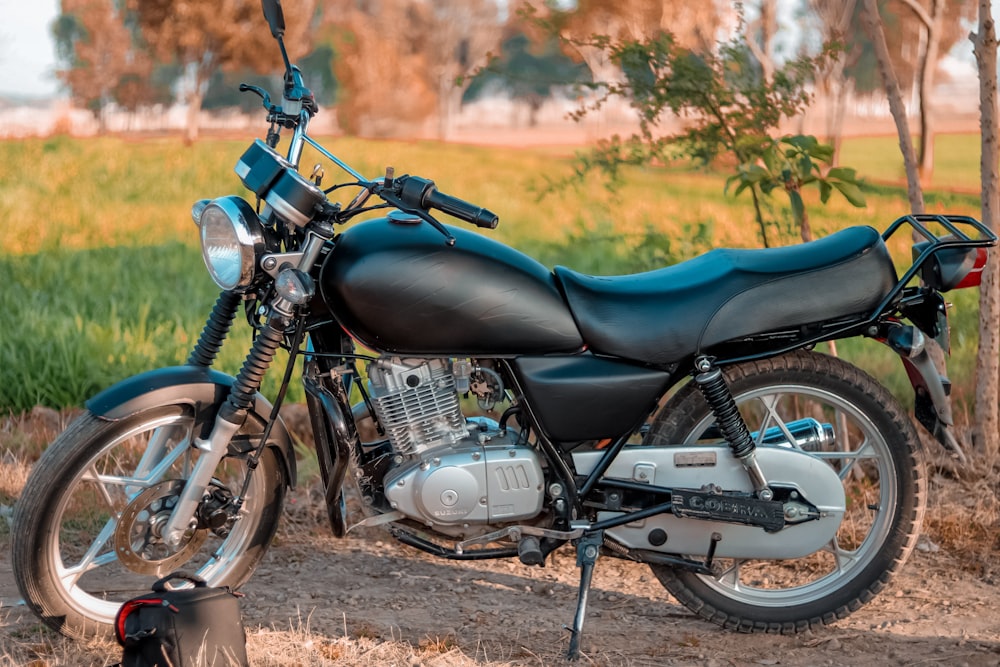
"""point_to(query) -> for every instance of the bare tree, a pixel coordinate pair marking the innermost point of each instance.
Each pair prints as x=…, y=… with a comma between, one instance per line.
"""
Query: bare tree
x=987, y=431
x=760, y=37
x=835, y=18
x=463, y=32
x=932, y=21
x=873, y=26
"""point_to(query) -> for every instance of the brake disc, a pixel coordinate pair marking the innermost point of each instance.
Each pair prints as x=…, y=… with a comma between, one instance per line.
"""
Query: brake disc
x=139, y=542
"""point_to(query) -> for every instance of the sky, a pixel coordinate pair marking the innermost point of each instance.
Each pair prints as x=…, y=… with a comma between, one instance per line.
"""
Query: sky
x=27, y=54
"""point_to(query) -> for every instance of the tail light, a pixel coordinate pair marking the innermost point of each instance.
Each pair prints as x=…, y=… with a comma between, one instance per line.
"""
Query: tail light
x=951, y=268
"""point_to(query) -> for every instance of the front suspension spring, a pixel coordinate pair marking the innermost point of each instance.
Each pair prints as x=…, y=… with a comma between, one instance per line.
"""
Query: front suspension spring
x=216, y=329
x=248, y=380
x=716, y=392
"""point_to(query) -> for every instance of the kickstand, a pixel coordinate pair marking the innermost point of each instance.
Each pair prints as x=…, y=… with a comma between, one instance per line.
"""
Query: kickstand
x=587, y=549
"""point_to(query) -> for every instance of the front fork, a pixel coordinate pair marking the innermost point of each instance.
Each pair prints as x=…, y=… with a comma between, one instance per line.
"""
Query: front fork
x=230, y=419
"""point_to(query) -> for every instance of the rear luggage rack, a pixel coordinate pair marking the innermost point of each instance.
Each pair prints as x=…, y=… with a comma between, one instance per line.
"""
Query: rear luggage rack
x=956, y=239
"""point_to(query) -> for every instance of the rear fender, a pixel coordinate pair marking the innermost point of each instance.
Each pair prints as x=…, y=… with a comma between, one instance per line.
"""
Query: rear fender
x=931, y=405
x=202, y=388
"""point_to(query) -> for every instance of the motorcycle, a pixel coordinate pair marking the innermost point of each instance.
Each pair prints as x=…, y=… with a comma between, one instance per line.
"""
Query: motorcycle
x=679, y=418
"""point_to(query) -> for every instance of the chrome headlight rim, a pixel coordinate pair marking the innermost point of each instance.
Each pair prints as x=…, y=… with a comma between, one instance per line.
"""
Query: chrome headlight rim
x=232, y=241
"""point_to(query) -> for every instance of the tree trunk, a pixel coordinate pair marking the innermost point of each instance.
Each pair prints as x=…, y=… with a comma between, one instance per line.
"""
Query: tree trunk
x=844, y=91
x=767, y=24
x=203, y=71
x=986, y=434
x=873, y=26
x=191, y=122
x=928, y=64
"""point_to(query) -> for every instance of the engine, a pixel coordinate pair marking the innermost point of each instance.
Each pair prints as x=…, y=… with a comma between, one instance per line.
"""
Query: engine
x=454, y=470
x=416, y=403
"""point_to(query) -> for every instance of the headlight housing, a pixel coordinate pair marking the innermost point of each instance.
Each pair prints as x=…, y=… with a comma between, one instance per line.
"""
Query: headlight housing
x=232, y=238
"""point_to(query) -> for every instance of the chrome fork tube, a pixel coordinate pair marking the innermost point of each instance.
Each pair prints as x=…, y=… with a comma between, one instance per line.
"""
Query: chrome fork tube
x=298, y=139
x=213, y=449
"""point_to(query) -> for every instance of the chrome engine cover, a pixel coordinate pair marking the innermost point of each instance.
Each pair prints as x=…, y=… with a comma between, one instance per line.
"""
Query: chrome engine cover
x=469, y=484
x=698, y=466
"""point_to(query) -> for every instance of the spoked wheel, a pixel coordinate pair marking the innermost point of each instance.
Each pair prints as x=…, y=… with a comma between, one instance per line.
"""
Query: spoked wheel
x=868, y=440
x=88, y=528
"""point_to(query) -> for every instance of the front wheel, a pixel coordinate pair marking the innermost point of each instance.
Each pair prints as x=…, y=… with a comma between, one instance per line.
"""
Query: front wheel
x=874, y=450
x=87, y=527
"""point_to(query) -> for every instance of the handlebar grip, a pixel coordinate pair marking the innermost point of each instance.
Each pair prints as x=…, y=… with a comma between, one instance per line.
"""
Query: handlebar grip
x=421, y=192
x=461, y=209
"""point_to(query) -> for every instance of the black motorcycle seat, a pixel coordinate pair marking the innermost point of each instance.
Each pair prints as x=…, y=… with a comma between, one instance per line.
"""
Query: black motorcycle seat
x=662, y=316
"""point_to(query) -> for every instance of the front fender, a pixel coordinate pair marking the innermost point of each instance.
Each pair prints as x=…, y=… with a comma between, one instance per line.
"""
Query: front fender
x=193, y=385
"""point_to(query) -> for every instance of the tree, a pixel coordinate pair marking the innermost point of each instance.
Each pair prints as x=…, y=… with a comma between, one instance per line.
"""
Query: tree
x=932, y=22
x=916, y=34
x=835, y=18
x=383, y=74
x=792, y=162
x=103, y=62
x=760, y=36
x=987, y=431
x=728, y=108
x=873, y=26
x=529, y=72
x=204, y=36
x=463, y=32
x=395, y=80
x=693, y=25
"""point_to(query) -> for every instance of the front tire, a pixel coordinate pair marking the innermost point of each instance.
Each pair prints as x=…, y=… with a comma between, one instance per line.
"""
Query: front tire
x=877, y=455
x=73, y=564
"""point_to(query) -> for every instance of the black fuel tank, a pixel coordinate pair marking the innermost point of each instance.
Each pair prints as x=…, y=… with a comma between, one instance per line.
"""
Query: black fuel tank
x=398, y=288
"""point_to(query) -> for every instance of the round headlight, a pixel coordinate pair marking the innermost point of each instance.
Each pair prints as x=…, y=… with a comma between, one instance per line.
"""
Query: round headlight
x=231, y=238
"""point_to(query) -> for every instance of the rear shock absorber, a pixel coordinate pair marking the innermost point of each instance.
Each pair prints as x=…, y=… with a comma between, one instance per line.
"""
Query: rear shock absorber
x=709, y=380
x=216, y=329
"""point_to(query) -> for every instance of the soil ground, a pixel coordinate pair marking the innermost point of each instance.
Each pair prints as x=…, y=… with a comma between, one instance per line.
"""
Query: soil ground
x=368, y=589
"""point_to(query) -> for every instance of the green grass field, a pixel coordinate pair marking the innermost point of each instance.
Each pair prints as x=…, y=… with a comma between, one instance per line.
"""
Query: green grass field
x=102, y=277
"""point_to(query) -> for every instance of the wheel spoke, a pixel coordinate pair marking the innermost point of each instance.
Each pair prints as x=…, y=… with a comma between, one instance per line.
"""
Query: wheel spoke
x=731, y=576
x=91, y=475
x=90, y=559
x=843, y=558
x=855, y=456
x=159, y=471
x=770, y=403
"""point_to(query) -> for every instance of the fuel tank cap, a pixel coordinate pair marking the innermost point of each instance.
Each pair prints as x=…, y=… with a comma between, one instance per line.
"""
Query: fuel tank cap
x=403, y=218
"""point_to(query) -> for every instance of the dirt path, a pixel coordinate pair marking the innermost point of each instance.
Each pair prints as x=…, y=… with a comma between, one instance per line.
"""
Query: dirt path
x=506, y=613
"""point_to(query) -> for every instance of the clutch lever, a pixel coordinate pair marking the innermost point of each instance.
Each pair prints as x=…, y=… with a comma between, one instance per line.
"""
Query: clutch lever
x=391, y=198
x=246, y=87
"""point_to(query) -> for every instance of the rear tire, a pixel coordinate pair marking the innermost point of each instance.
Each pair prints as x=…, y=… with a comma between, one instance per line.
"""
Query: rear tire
x=878, y=456
x=71, y=566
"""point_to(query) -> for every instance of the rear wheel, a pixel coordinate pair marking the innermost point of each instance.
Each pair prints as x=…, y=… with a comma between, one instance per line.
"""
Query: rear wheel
x=87, y=528
x=876, y=453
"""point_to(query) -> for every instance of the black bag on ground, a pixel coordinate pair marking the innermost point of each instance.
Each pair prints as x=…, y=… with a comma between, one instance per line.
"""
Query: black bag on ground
x=182, y=627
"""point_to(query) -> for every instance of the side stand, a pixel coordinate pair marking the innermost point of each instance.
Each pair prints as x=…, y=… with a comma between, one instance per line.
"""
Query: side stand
x=587, y=550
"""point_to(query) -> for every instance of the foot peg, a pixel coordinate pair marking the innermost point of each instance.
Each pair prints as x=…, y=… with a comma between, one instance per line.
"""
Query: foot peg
x=529, y=551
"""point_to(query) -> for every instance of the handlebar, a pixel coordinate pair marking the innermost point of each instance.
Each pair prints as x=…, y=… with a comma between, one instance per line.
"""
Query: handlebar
x=421, y=192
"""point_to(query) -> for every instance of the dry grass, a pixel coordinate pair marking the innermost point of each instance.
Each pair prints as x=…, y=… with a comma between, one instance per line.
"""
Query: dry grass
x=295, y=646
x=963, y=515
